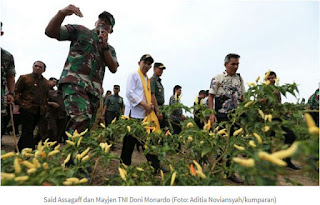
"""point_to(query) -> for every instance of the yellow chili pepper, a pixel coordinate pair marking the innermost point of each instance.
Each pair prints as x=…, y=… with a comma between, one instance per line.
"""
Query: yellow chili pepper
x=199, y=168
x=57, y=147
x=266, y=128
x=239, y=147
x=167, y=133
x=267, y=82
x=251, y=84
x=244, y=162
x=107, y=149
x=26, y=150
x=122, y=174
x=74, y=180
x=83, y=180
x=267, y=75
x=258, y=78
x=286, y=153
x=272, y=159
x=114, y=120
x=189, y=125
x=313, y=130
x=102, y=125
x=102, y=145
x=190, y=139
x=28, y=155
x=129, y=129
x=68, y=134
x=86, y=158
x=249, y=103
x=84, y=132
x=28, y=164
x=207, y=126
x=79, y=141
x=261, y=113
x=257, y=137
x=7, y=155
x=70, y=142
x=173, y=178
x=21, y=178
x=67, y=159
x=162, y=175
x=8, y=176
x=223, y=131
x=16, y=165
x=36, y=163
x=31, y=171
x=125, y=117
x=252, y=143
x=171, y=168
x=53, y=152
x=67, y=183
x=51, y=144
x=45, y=165
x=237, y=132
x=84, y=152
x=140, y=169
x=201, y=174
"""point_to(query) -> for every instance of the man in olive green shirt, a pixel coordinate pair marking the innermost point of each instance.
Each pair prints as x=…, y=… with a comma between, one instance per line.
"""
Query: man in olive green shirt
x=113, y=106
x=157, y=91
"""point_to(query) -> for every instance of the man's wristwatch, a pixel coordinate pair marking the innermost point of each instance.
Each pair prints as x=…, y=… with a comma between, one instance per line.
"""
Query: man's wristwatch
x=11, y=94
x=105, y=48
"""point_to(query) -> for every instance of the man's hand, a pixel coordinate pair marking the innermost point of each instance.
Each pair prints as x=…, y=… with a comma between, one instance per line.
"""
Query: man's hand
x=104, y=36
x=213, y=119
x=71, y=9
x=160, y=116
x=183, y=117
x=10, y=99
x=53, y=104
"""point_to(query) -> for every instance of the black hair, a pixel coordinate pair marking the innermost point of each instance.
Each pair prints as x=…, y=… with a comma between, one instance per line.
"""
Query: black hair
x=229, y=56
x=202, y=92
x=177, y=87
x=272, y=73
x=44, y=65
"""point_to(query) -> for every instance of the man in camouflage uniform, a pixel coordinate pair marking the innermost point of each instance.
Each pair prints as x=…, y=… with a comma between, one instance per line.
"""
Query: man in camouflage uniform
x=157, y=92
x=113, y=106
x=31, y=95
x=313, y=105
x=7, y=82
x=83, y=73
x=225, y=95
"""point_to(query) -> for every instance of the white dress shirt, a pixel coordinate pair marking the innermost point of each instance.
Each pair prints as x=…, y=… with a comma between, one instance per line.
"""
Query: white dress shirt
x=135, y=94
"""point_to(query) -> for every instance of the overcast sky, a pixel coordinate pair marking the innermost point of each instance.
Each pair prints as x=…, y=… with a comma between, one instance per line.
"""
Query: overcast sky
x=190, y=37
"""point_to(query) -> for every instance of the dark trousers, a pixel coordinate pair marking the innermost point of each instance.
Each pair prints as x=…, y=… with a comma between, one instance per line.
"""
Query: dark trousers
x=110, y=116
x=29, y=122
x=56, y=128
x=129, y=143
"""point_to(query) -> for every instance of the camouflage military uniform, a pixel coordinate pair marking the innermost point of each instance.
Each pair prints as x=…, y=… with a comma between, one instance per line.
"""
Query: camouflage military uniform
x=158, y=90
x=7, y=69
x=82, y=76
x=313, y=104
x=114, y=105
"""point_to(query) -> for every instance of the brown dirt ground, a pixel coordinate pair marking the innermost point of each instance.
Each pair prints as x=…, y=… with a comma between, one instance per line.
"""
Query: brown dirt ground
x=101, y=173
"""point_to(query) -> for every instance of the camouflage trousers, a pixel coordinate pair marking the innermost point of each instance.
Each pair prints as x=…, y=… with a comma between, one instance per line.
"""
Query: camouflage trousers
x=81, y=107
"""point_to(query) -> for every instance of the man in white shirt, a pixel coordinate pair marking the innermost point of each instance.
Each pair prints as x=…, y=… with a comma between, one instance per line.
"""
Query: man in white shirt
x=137, y=108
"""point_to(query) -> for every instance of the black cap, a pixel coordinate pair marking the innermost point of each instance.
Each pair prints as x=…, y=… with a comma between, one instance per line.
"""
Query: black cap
x=1, y=28
x=116, y=87
x=147, y=57
x=159, y=65
x=107, y=15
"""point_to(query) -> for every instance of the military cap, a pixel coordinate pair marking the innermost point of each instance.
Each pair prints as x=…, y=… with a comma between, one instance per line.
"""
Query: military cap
x=159, y=65
x=116, y=87
x=107, y=15
x=147, y=56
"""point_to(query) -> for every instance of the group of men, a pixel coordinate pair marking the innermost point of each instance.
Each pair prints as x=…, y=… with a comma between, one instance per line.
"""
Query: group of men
x=80, y=86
